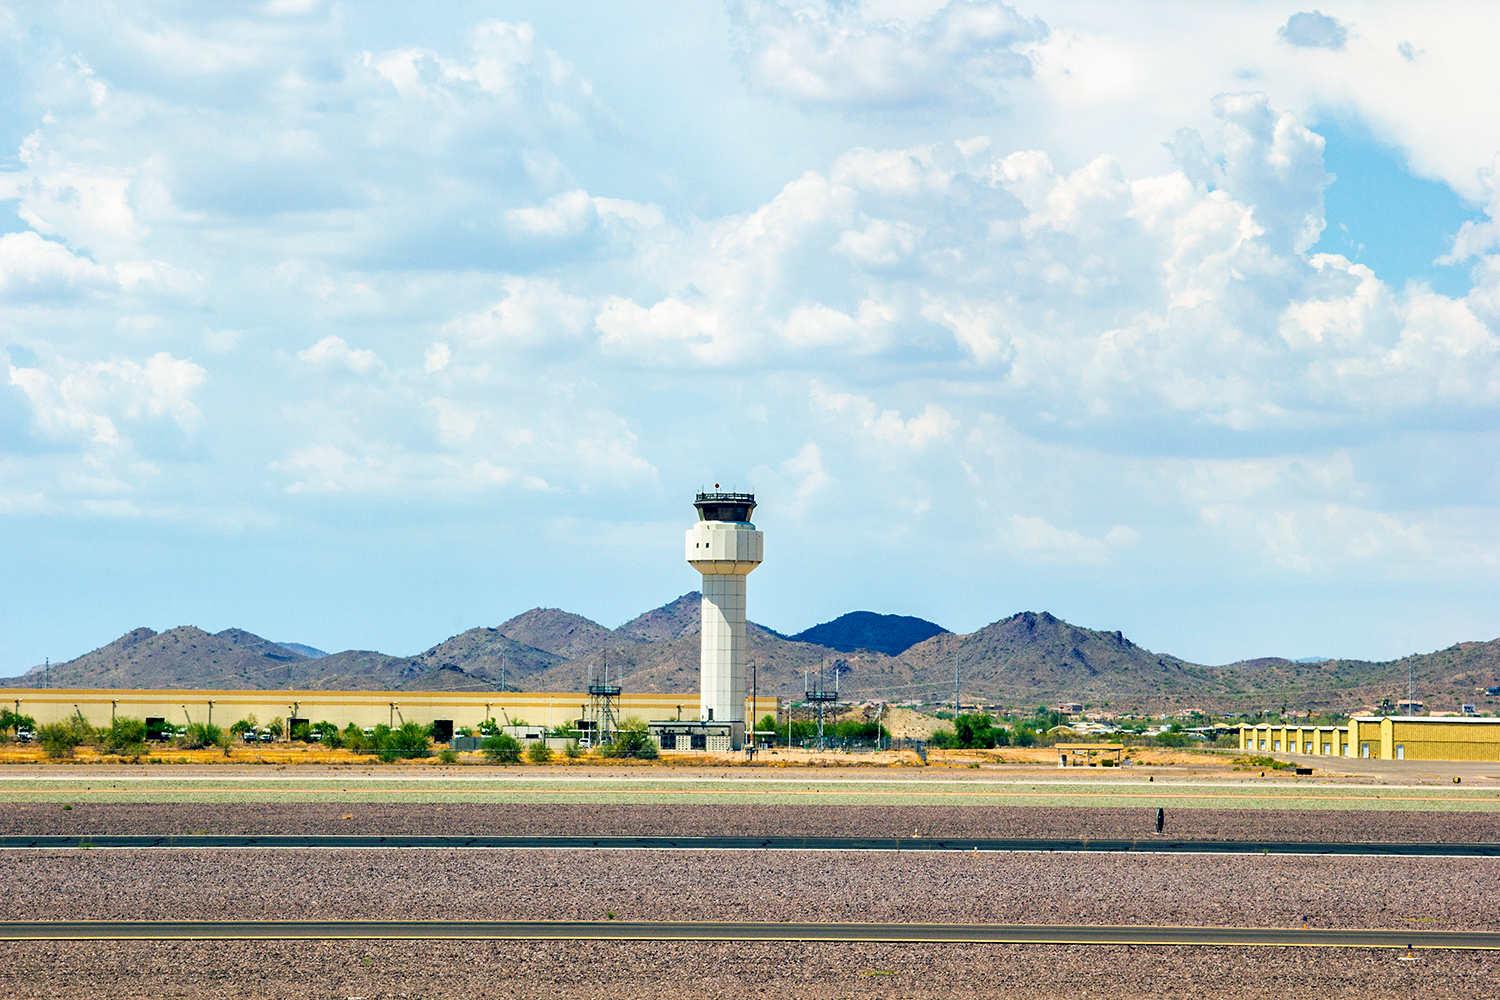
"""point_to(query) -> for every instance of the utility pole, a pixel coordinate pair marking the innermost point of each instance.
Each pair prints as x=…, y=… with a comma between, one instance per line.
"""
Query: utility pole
x=955, y=688
x=1411, y=709
x=754, y=699
x=48, y=668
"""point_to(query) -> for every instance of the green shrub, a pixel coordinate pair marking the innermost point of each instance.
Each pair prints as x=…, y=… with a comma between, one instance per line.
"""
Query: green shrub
x=633, y=743
x=200, y=735
x=406, y=742
x=1269, y=763
x=327, y=733
x=125, y=734
x=502, y=748
x=539, y=752
x=942, y=739
x=448, y=756
x=572, y=751
x=59, y=738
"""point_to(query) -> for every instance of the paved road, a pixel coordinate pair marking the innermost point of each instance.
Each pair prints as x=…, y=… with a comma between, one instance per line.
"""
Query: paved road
x=1153, y=845
x=183, y=930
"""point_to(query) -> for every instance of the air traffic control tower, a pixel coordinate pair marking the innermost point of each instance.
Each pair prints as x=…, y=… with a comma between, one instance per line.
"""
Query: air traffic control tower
x=724, y=546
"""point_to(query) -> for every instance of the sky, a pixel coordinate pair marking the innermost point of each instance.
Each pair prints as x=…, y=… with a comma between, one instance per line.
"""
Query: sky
x=363, y=324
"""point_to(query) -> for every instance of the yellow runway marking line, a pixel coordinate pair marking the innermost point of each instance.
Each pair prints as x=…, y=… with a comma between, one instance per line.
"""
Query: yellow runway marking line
x=1154, y=795
x=910, y=933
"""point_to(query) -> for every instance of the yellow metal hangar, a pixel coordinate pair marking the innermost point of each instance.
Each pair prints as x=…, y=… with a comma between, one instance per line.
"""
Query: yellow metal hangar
x=1387, y=737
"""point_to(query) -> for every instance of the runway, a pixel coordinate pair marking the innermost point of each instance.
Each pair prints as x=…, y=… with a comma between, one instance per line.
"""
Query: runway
x=1149, y=845
x=1079, y=934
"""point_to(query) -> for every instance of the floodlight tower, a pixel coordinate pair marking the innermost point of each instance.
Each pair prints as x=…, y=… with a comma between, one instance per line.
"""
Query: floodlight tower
x=724, y=546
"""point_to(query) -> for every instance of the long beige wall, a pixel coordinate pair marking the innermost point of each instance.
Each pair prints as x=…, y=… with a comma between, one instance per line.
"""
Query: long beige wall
x=363, y=708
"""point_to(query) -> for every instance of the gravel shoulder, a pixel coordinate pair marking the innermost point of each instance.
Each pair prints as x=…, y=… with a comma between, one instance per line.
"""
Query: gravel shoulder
x=589, y=970
x=473, y=819
x=428, y=884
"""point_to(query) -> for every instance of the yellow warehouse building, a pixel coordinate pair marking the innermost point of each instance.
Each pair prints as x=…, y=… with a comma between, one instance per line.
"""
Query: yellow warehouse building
x=1395, y=737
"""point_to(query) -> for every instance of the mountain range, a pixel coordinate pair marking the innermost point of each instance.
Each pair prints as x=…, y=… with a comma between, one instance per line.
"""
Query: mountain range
x=1022, y=661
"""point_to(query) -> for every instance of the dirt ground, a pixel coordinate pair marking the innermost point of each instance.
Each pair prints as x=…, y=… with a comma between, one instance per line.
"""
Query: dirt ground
x=763, y=886
x=597, y=970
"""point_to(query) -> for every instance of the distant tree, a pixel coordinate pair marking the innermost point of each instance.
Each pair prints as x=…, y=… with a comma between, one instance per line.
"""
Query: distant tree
x=539, y=752
x=862, y=731
x=276, y=728
x=11, y=722
x=942, y=739
x=242, y=727
x=975, y=731
x=327, y=733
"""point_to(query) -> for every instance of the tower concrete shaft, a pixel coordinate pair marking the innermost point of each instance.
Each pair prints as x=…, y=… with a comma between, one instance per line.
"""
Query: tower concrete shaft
x=725, y=547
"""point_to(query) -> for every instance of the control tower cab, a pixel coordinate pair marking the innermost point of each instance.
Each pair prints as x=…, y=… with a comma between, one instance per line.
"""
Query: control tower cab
x=724, y=546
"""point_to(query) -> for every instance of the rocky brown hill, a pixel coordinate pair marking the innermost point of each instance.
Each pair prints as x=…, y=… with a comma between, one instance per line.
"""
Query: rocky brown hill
x=1023, y=661
x=670, y=621
x=561, y=633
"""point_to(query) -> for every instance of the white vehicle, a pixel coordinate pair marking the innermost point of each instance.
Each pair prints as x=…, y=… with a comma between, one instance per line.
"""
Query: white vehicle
x=583, y=743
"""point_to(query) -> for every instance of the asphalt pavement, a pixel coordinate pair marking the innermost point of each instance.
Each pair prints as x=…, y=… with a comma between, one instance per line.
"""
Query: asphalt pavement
x=593, y=930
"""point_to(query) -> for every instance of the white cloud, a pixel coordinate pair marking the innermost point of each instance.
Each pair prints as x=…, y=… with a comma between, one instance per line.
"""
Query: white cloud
x=436, y=358
x=566, y=214
x=886, y=427
x=880, y=243
x=1036, y=538
x=334, y=351
x=1314, y=30
x=91, y=402
x=533, y=312
x=32, y=266
x=837, y=54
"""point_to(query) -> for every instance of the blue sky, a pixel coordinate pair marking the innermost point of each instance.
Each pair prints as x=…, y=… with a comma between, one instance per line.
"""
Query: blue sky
x=358, y=325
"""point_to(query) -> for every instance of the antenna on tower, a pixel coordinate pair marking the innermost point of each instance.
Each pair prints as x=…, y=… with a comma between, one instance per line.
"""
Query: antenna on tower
x=603, y=699
x=820, y=696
